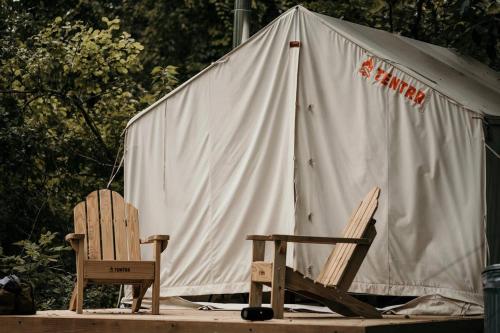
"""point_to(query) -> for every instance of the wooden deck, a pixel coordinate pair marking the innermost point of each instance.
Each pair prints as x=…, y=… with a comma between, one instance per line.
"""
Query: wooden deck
x=194, y=321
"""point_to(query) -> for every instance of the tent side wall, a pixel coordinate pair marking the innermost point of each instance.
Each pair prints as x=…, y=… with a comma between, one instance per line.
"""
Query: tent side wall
x=492, y=139
x=360, y=122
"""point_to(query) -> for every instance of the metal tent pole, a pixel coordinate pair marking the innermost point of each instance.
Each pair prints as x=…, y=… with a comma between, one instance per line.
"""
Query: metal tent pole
x=241, y=26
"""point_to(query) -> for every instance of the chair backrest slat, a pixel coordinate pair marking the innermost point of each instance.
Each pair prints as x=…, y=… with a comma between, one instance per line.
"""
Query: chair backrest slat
x=327, y=268
x=338, y=262
x=93, y=228
x=354, y=229
x=111, y=227
x=108, y=249
x=121, y=247
x=133, y=232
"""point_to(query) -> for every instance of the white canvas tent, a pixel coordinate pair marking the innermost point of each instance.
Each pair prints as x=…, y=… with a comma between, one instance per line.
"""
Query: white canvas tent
x=275, y=138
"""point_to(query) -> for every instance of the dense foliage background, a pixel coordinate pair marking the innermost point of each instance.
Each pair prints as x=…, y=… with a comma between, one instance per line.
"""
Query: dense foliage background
x=72, y=72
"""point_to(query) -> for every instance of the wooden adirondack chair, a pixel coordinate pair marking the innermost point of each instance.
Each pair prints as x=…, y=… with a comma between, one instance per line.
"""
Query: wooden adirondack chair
x=330, y=288
x=107, y=246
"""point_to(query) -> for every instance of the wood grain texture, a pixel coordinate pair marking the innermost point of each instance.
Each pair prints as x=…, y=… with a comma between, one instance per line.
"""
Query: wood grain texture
x=337, y=263
x=80, y=282
x=357, y=259
x=308, y=239
x=119, y=270
x=195, y=321
x=341, y=267
x=337, y=300
x=278, y=279
x=258, y=253
x=138, y=294
x=93, y=228
x=120, y=227
x=321, y=277
x=74, y=294
x=358, y=231
x=106, y=216
x=262, y=271
x=80, y=221
x=134, y=250
x=72, y=300
x=112, y=231
x=152, y=238
x=155, y=306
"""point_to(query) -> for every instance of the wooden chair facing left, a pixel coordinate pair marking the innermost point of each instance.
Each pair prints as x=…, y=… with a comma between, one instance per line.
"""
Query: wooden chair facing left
x=331, y=287
x=107, y=246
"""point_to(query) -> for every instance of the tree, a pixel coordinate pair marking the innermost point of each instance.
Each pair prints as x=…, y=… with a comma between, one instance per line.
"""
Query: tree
x=66, y=94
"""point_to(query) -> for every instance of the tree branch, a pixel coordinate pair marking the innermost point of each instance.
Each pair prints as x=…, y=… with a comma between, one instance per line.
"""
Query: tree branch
x=94, y=160
x=75, y=102
x=93, y=128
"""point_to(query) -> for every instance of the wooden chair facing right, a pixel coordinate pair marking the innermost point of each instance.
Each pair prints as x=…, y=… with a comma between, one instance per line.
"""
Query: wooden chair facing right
x=332, y=284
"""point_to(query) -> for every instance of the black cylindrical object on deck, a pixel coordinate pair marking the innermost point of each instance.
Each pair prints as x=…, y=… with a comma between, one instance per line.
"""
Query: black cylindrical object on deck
x=491, y=287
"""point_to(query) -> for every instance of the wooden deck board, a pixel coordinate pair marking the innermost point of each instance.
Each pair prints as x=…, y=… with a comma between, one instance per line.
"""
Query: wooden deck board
x=194, y=321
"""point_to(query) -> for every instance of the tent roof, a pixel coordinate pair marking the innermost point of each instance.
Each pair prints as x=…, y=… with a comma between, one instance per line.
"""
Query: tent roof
x=460, y=78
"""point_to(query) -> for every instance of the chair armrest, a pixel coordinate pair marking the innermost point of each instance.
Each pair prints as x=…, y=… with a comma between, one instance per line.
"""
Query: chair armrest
x=162, y=239
x=75, y=240
x=259, y=237
x=73, y=236
x=308, y=239
x=154, y=238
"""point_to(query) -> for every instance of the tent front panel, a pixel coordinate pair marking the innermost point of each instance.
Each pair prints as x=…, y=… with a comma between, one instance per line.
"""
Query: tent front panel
x=214, y=162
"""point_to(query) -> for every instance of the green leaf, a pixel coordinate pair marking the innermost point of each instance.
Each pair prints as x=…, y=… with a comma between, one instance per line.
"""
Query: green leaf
x=377, y=6
x=138, y=46
x=494, y=8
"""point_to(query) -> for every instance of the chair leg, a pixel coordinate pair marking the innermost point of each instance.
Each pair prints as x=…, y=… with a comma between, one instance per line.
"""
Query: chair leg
x=155, y=306
x=74, y=296
x=278, y=279
x=80, y=283
x=79, y=298
x=138, y=295
x=72, y=301
x=255, y=296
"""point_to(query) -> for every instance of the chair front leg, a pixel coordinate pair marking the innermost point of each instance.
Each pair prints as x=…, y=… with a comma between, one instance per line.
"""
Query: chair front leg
x=278, y=279
x=258, y=252
x=80, y=283
x=159, y=246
